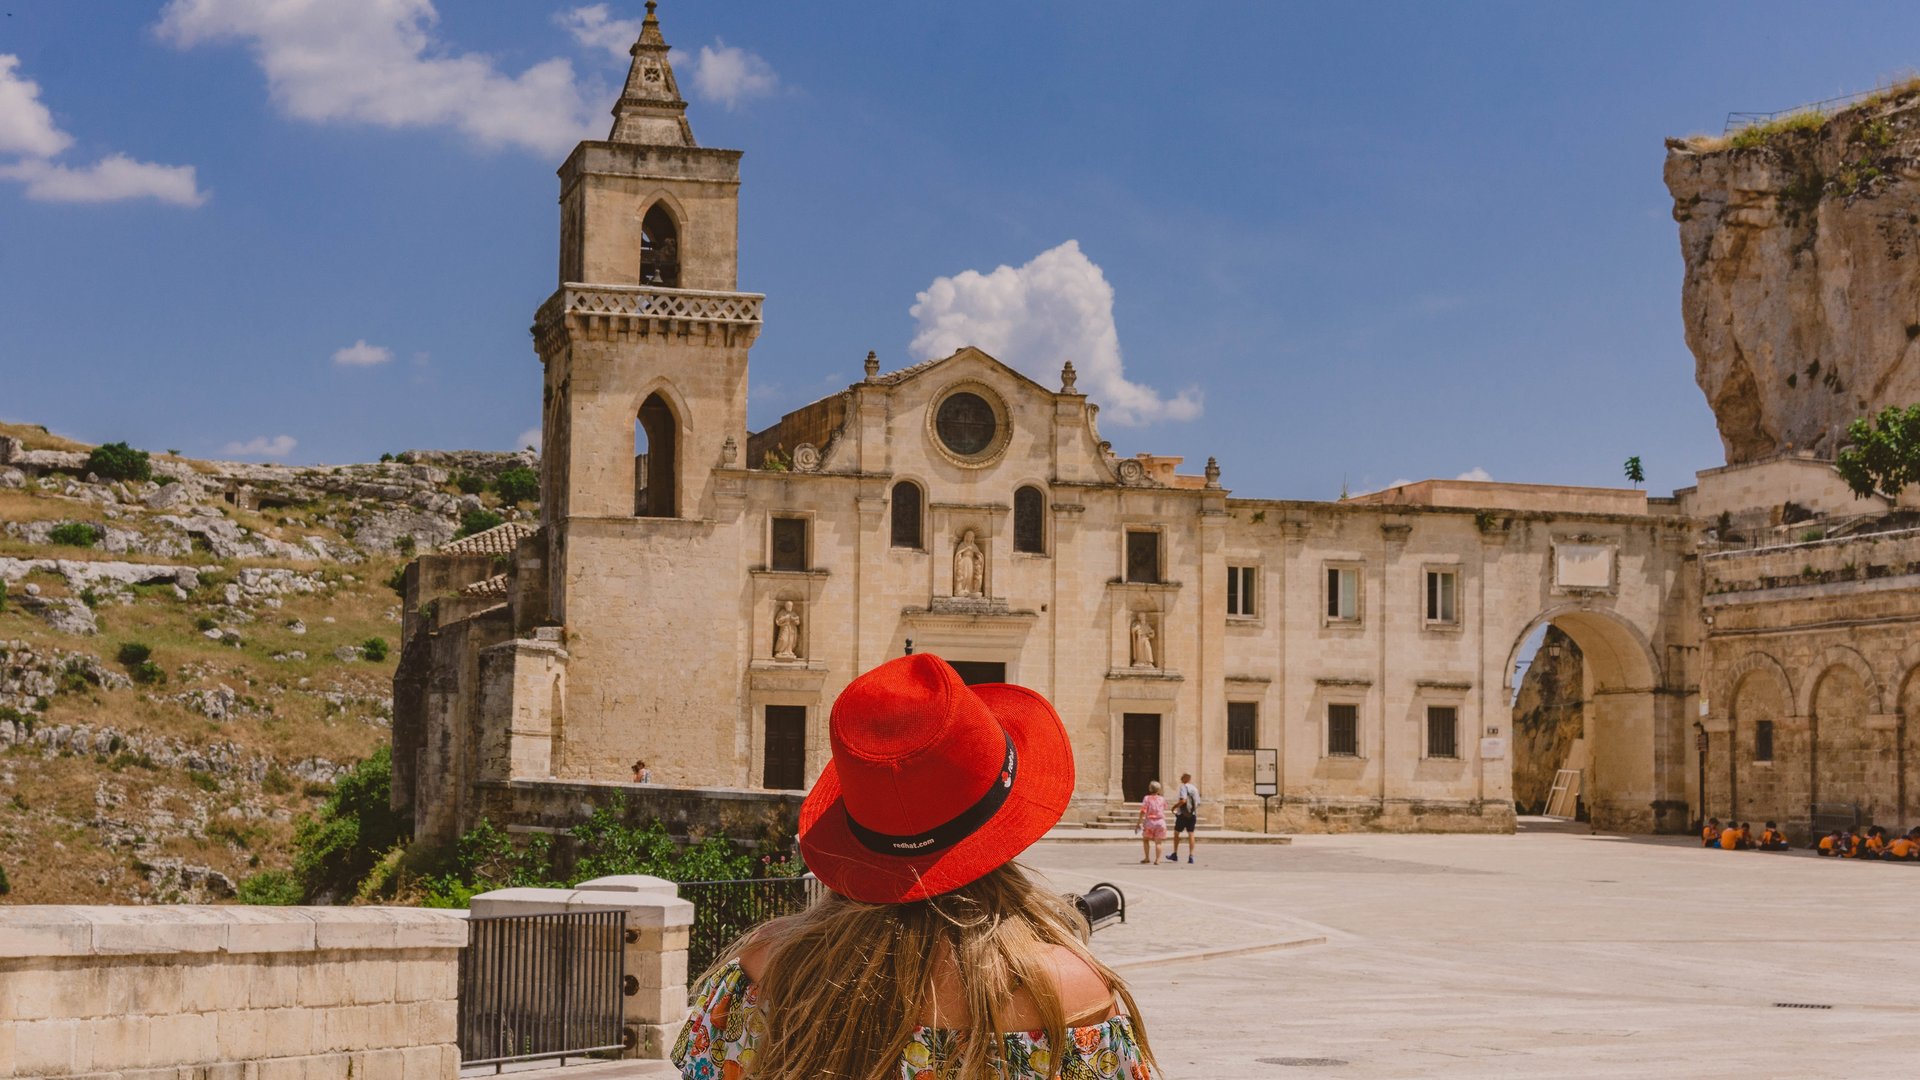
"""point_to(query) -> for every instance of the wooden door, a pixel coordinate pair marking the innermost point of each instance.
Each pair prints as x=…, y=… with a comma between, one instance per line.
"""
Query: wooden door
x=785, y=764
x=1139, y=754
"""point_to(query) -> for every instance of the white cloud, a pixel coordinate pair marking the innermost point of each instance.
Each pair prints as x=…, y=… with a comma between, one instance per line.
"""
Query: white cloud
x=529, y=437
x=111, y=179
x=361, y=354
x=1477, y=474
x=26, y=126
x=593, y=27
x=378, y=62
x=262, y=446
x=1058, y=307
x=27, y=129
x=730, y=75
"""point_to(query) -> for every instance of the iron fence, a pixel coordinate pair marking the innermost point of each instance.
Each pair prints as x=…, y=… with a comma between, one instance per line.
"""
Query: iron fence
x=542, y=986
x=723, y=910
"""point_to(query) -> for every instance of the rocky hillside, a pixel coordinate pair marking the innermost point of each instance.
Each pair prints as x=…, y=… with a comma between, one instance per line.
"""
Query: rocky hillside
x=1548, y=715
x=1801, y=239
x=187, y=662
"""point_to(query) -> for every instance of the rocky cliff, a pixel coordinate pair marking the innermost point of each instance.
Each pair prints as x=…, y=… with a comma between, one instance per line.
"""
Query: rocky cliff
x=188, y=663
x=1548, y=715
x=1801, y=239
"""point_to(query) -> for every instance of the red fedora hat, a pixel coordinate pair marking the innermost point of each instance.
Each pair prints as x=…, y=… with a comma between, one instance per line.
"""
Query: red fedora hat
x=933, y=783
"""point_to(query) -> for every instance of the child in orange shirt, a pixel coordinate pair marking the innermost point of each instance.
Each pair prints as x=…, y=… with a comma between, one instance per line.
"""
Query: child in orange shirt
x=1905, y=848
x=1772, y=839
x=1876, y=843
x=1832, y=844
x=1851, y=846
x=1710, y=836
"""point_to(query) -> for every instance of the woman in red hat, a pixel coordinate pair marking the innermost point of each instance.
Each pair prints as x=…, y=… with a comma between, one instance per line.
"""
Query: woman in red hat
x=933, y=954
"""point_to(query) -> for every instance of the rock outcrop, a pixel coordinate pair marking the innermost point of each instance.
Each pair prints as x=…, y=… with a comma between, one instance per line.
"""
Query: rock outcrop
x=1802, y=289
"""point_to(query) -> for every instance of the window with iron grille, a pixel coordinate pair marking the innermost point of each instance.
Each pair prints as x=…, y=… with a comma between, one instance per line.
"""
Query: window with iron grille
x=789, y=543
x=1029, y=521
x=1240, y=592
x=1243, y=720
x=1343, y=730
x=1763, y=740
x=1443, y=731
x=1443, y=597
x=1343, y=593
x=906, y=515
x=1143, y=555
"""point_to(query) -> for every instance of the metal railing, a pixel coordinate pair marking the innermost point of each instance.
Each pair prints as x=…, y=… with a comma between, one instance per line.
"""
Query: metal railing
x=723, y=910
x=1825, y=107
x=542, y=986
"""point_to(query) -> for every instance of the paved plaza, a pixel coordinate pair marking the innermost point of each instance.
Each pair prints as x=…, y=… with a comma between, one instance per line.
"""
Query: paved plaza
x=1546, y=954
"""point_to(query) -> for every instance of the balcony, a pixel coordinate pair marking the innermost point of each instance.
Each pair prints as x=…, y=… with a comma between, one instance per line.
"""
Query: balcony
x=612, y=312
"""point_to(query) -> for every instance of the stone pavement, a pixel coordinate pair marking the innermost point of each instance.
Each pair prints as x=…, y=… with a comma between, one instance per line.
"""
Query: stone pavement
x=1546, y=954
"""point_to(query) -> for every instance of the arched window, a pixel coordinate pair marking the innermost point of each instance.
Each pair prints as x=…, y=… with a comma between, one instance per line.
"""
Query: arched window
x=1029, y=521
x=655, y=442
x=659, y=248
x=906, y=515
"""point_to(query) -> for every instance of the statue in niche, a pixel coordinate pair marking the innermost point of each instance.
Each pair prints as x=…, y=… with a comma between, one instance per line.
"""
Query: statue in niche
x=786, y=632
x=1142, y=635
x=969, y=567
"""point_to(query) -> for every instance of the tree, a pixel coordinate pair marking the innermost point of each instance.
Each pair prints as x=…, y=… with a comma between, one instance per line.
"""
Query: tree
x=118, y=461
x=517, y=485
x=1634, y=472
x=1882, y=456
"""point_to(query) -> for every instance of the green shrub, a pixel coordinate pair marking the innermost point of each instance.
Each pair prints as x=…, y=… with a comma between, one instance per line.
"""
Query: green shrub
x=134, y=653
x=270, y=887
x=203, y=781
x=398, y=581
x=148, y=673
x=75, y=534
x=469, y=484
x=374, y=649
x=386, y=457
x=118, y=461
x=517, y=485
x=5, y=886
x=276, y=782
x=405, y=546
x=336, y=848
x=477, y=521
x=204, y=623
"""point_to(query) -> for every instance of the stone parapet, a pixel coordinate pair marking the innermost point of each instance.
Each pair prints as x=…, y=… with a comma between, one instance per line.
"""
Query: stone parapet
x=119, y=993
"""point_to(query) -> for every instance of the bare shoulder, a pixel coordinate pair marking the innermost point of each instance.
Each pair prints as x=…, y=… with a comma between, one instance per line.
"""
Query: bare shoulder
x=1085, y=997
x=753, y=956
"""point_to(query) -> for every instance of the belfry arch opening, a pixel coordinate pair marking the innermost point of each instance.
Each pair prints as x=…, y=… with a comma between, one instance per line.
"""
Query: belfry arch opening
x=659, y=248
x=1589, y=716
x=656, y=443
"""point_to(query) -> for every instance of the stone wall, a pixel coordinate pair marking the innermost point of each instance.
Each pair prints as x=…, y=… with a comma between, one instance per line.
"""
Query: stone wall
x=229, y=993
x=746, y=817
x=1820, y=643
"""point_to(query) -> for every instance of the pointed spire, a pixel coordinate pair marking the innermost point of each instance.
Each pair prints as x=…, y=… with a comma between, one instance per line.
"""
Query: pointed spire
x=650, y=111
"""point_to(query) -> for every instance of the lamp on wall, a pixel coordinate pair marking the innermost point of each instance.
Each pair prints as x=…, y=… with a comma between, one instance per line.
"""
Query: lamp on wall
x=909, y=651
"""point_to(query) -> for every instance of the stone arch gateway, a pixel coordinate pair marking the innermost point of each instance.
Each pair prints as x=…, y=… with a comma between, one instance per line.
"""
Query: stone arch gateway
x=1636, y=780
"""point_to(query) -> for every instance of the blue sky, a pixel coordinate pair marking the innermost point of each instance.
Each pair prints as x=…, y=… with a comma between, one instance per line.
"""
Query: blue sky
x=1344, y=243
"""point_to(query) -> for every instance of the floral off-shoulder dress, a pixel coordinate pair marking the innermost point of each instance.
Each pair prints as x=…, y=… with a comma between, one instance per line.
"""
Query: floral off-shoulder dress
x=725, y=1031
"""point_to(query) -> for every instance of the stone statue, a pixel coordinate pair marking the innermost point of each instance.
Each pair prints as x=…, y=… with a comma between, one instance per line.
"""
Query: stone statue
x=786, y=632
x=969, y=568
x=1142, y=634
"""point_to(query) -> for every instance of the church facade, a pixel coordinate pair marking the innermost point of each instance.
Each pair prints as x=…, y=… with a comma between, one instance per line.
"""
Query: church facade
x=696, y=594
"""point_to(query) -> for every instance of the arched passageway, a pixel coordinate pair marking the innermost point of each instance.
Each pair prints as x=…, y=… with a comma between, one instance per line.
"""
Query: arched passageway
x=1631, y=751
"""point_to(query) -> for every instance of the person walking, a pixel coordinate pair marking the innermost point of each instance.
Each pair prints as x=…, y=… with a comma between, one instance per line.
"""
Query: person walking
x=931, y=951
x=1152, y=825
x=1186, y=811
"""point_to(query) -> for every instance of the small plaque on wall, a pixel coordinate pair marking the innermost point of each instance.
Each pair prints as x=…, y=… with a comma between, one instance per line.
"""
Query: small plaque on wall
x=1493, y=749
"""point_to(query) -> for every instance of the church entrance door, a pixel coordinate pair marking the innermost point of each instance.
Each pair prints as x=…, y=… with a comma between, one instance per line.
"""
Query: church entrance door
x=1139, y=754
x=786, y=748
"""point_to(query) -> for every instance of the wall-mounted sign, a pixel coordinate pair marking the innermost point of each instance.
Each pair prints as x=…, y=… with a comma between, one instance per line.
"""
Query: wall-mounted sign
x=1493, y=749
x=1266, y=772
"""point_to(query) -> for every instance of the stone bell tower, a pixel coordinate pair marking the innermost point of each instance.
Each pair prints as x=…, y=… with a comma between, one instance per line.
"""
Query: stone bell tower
x=645, y=398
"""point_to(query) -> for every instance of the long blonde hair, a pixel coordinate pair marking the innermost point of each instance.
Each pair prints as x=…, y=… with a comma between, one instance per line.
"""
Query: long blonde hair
x=845, y=983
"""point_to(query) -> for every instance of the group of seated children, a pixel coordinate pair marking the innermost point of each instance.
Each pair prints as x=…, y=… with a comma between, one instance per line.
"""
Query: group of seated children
x=1739, y=837
x=1850, y=844
x=1840, y=843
